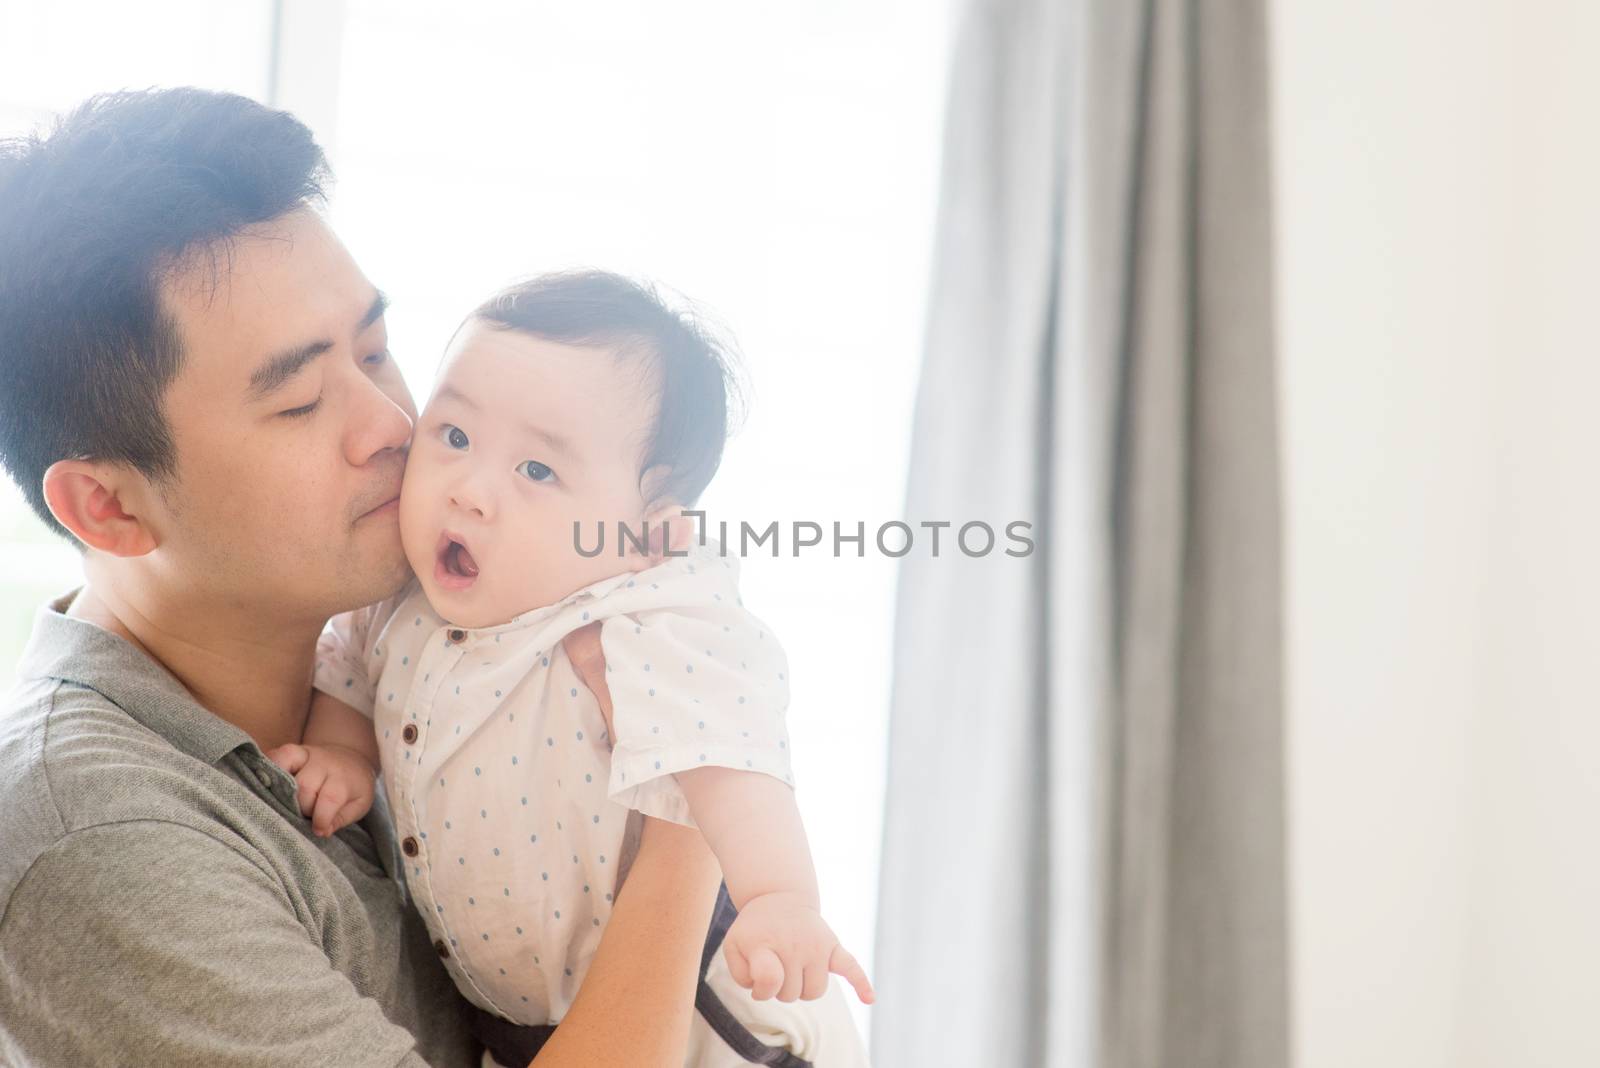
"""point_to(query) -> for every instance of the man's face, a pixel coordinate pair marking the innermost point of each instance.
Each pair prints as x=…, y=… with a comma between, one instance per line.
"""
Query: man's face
x=290, y=423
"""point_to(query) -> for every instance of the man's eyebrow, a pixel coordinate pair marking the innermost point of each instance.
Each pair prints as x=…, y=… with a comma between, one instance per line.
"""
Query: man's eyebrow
x=380, y=304
x=271, y=375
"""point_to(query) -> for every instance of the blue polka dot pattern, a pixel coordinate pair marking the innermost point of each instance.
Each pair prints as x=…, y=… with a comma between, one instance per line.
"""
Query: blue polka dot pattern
x=723, y=709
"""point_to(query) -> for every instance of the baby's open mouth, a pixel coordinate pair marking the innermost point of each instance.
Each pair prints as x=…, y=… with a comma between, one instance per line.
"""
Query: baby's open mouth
x=454, y=567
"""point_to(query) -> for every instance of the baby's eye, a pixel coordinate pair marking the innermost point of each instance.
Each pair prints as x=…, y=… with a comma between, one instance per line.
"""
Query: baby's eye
x=453, y=436
x=535, y=471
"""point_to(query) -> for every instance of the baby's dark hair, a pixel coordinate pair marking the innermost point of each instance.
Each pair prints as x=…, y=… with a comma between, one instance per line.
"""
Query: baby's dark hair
x=695, y=368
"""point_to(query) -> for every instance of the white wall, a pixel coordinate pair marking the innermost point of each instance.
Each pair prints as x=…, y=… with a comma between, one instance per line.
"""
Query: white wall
x=1535, y=942
x=1437, y=168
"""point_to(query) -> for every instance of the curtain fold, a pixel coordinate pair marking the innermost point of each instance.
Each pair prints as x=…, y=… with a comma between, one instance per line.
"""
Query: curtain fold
x=1084, y=839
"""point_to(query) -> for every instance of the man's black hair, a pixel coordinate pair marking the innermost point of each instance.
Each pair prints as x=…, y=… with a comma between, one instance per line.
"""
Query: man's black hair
x=694, y=368
x=92, y=216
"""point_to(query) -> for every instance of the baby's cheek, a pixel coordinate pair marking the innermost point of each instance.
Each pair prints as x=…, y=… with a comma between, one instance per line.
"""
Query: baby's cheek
x=415, y=526
x=522, y=585
x=546, y=563
x=545, y=558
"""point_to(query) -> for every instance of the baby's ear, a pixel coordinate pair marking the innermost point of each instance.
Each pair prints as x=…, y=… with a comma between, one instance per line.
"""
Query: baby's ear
x=670, y=534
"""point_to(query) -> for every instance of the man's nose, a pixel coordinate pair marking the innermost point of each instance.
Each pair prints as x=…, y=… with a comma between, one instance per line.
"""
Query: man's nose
x=377, y=425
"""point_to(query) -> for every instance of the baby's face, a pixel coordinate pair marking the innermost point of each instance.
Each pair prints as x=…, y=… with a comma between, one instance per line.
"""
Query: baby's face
x=521, y=439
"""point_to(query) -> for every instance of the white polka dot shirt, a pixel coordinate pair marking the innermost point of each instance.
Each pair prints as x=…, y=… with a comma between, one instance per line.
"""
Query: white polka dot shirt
x=510, y=799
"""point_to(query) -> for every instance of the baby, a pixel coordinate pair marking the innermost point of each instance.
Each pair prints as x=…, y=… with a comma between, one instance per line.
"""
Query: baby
x=568, y=408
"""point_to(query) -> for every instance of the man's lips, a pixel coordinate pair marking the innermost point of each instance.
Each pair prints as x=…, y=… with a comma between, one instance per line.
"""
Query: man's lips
x=388, y=507
x=453, y=566
x=384, y=503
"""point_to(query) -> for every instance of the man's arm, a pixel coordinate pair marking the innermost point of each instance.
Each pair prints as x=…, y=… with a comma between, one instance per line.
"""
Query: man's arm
x=637, y=1001
x=150, y=942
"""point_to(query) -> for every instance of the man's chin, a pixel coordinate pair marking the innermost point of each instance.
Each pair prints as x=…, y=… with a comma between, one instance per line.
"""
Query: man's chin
x=380, y=575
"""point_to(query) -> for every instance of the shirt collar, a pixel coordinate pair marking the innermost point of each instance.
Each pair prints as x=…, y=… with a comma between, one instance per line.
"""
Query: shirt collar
x=83, y=654
x=708, y=552
x=588, y=593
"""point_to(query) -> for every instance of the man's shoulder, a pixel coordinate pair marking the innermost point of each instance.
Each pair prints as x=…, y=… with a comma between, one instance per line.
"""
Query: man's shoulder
x=73, y=760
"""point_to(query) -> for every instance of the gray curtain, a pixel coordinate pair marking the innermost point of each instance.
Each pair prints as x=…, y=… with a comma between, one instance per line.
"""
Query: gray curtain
x=1084, y=848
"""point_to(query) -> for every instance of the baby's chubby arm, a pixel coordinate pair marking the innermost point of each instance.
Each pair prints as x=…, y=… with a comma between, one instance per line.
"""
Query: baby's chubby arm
x=779, y=945
x=335, y=765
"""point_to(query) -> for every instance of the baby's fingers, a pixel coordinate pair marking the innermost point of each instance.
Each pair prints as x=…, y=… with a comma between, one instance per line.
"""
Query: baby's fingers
x=349, y=812
x=738, y=964
x=290, y=758
x=330, y=801
x=766, y=973
x=794, y=978
x=816, y=981
x=311, y=780
x=842, y=963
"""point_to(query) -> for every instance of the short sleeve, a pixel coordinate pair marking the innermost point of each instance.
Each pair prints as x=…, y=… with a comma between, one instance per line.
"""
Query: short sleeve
x=692, y=687
x=114, y=951
x=342, y=659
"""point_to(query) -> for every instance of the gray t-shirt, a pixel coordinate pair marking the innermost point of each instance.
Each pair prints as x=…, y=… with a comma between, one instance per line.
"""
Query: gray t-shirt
x=162, y=901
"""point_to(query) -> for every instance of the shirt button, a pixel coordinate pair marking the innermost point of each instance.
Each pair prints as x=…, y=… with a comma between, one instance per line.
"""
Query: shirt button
x=408, y=846
x=410, y=733
x=444, y=950
x=458, y=635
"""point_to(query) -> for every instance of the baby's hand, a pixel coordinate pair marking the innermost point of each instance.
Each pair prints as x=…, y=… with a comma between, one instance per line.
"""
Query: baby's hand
x=779, y=945
x=336, y=784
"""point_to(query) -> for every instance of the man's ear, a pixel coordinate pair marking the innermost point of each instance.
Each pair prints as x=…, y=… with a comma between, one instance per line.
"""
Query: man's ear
x=95, y=502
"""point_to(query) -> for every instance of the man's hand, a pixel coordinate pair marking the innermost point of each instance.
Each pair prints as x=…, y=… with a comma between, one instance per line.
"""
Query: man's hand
x=780, y=946
x=336, y=783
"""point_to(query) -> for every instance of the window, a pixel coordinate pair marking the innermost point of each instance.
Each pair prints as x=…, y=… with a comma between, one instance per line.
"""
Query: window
x=47, y=65
x=777, y=164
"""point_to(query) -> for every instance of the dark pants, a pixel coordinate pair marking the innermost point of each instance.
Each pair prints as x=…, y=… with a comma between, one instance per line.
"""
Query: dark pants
x=514, y=1045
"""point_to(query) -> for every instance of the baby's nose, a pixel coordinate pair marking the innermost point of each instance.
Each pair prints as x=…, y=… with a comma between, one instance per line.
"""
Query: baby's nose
x=468, y=499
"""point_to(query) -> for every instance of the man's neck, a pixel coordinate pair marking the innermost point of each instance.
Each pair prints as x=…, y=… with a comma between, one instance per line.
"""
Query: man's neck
x=251, y=673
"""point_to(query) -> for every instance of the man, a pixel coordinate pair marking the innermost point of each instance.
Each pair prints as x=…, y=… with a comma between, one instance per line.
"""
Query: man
x=195, y=386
